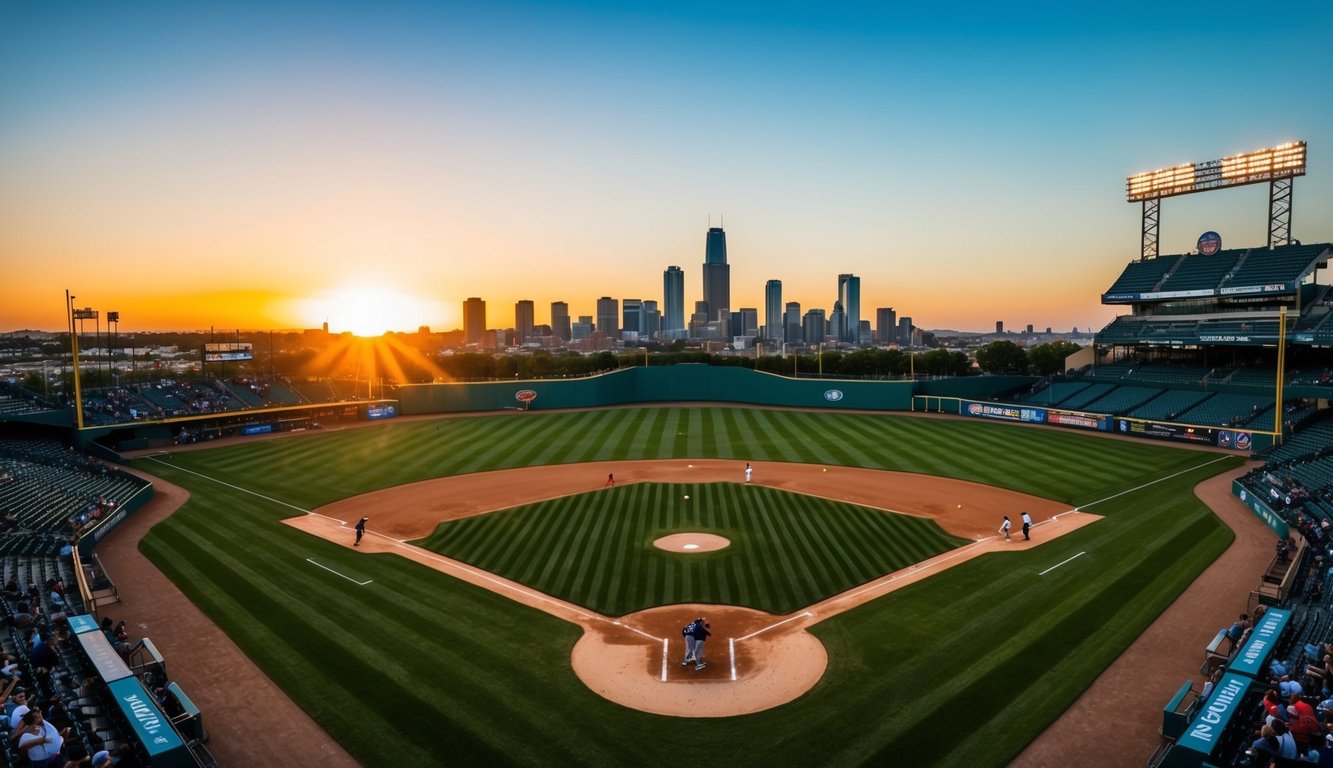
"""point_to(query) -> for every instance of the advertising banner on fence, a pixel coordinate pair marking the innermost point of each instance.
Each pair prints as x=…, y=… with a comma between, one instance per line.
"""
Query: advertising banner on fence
x=1033, y=415
x=1160, y=431
x=1205, y=733
x=1260, y=509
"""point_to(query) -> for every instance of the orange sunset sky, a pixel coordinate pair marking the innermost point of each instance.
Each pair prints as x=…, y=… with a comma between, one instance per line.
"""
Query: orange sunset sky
x=271, y=166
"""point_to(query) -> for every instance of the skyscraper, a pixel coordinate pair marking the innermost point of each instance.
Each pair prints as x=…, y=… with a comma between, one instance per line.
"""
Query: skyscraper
x=814, y=328
x=673, y=305
x=474, y=320
x=560, y=320
x=632, y=314
x=652, y=320
x=749, y=321
x=608, y=321
x=885, y=321
x=837, y=322
x=905, y=331
x=523, y=322
x=717, y=273
x=792, y=329
x=773, y=310
x=849, y=293
x=583, y=328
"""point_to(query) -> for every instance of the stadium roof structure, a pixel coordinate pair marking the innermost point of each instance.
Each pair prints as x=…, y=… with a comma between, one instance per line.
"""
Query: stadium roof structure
x=1259, y=271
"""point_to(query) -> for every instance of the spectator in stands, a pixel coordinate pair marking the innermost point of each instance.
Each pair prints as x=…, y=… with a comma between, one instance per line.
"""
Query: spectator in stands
x=44, y=658
x=1323, y=672
x=1270, y=746
x=16, y=714
x=41, y=741
x=1286, y=686
x=1273, y=706
x=77, y=757
x=1304, y=725
x=102, y=760
x=1237, y=630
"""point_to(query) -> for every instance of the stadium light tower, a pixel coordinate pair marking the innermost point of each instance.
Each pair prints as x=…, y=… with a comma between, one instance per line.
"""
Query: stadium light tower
x=1278, y=166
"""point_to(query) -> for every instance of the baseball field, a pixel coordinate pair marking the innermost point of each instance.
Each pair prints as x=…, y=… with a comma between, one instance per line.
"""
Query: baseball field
x=404, y=665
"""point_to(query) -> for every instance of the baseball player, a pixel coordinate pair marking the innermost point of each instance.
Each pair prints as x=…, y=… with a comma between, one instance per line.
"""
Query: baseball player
x=1027, y=525
x=688, y=633
x=360, y=530
x=1004, y=527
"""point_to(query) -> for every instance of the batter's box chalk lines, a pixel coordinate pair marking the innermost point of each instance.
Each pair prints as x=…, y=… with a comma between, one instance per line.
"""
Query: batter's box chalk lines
x=335, y=573
x=1062, y=562
x=802, y=615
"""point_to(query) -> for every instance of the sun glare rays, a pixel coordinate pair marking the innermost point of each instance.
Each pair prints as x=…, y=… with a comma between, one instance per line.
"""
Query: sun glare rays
x=367, y=309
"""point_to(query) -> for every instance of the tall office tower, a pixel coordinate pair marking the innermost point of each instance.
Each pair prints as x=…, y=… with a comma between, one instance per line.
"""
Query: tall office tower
x=560, y=320
x=523, y=322
x=717, y=273
x=474, y=320
x=792, y=325
x=814, y=328
x=885, y=320
x=773, y=310
x=905, y=331
x=726, y=325
x=583, y=328
x=673, y=303
x=608, y=321
x=999, y=326
x=837, y=322
x=849, y=293
x=749, y=321
x=631, y=312
x=652, y=320
x=863, y=335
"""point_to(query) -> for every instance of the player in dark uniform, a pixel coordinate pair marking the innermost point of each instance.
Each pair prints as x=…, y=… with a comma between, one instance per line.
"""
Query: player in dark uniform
x=360, y=530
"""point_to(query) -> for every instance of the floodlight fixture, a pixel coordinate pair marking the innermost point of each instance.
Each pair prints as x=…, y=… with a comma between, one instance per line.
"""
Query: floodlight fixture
x=1281, y=162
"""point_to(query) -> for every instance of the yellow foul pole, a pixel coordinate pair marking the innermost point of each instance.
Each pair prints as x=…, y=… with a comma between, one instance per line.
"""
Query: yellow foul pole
x=1281, y=368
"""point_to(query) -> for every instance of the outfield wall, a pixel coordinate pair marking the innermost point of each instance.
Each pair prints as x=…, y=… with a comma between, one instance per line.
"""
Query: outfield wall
x=692, y=383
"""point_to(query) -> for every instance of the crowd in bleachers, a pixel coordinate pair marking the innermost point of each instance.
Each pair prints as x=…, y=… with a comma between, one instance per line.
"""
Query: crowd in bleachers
x=170, y=398
x=51, y=495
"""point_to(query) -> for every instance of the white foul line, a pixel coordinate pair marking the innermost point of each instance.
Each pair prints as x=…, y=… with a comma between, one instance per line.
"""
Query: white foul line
x=803, y=615
x=229, y=485
x=345, y=576
x=1062, y=562
x=1154, y=482
x=664, y=659
x=731, y=643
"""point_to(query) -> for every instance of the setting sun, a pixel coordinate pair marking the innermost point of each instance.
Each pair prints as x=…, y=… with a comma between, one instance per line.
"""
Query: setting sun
x=368, y=310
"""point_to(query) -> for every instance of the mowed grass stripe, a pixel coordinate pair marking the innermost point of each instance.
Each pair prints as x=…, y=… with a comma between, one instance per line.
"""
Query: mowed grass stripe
x=807, y=547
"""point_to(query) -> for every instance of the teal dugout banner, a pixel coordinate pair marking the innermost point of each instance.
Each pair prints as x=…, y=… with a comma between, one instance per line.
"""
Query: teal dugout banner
x=164, y=747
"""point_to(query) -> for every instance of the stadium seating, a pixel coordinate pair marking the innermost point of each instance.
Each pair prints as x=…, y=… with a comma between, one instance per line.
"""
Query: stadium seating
x=1122, y=399
x=1143, y=276
x=1283, y=264
x=1056, y=393
x=1227, y=410
x=1176, y=373
x=1197, y=272
x=1171, y=403
x=1087, y=395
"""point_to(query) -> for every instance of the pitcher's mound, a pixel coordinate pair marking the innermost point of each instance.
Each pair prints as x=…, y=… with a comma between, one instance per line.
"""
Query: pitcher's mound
x=691, y=542
x=755, y=661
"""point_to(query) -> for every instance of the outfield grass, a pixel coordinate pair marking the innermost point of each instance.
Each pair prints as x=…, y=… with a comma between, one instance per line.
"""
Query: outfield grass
x=787, y=550
x=962, y=669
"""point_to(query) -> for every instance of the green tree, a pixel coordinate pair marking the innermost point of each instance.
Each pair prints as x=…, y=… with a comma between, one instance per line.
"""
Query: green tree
x=943, y=362
x=1002, y=357
x=1045, y=359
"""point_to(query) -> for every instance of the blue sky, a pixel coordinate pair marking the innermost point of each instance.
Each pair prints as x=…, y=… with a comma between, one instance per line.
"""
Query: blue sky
x=247, y=164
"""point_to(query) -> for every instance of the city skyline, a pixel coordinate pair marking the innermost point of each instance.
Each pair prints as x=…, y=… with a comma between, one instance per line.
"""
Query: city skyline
x=276, y=166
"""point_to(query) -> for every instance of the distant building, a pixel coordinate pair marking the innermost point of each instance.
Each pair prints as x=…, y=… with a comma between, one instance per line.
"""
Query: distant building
x=905, y=330
x=673, y=303
x=1029, y=331
x=560, y=320
x=837, y=322
x=716, y=273
x=583, y=328
x=523, y=321
x=631, y=318
x=608, y=320
x=749, y=321
x=849, y=294
x=999, y=326
x=813, y=327
x=863, y=333
x=652, y=320
x=474, y=320
x=773, y=330
x=792, y=323
x=886, y=321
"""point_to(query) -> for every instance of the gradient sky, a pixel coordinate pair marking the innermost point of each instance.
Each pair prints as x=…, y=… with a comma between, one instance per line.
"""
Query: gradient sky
x=274, y=165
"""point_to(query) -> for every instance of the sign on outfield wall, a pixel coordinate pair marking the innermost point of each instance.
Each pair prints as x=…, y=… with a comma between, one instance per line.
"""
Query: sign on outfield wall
x=1032, y=415
x=1260, y=509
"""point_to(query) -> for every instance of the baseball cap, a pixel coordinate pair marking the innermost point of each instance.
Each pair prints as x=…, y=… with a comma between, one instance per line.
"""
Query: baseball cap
x=102, y=758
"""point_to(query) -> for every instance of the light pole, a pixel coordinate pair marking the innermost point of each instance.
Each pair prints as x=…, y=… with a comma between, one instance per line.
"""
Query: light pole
x=821, y=359
x=112, y=318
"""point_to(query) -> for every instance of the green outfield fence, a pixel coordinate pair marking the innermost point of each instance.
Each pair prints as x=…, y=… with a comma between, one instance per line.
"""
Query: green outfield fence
x=694, y=383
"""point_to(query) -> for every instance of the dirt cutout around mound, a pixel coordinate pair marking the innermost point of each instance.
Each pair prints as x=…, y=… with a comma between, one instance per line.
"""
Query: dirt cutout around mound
x=755, y=660
x=688, y=543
